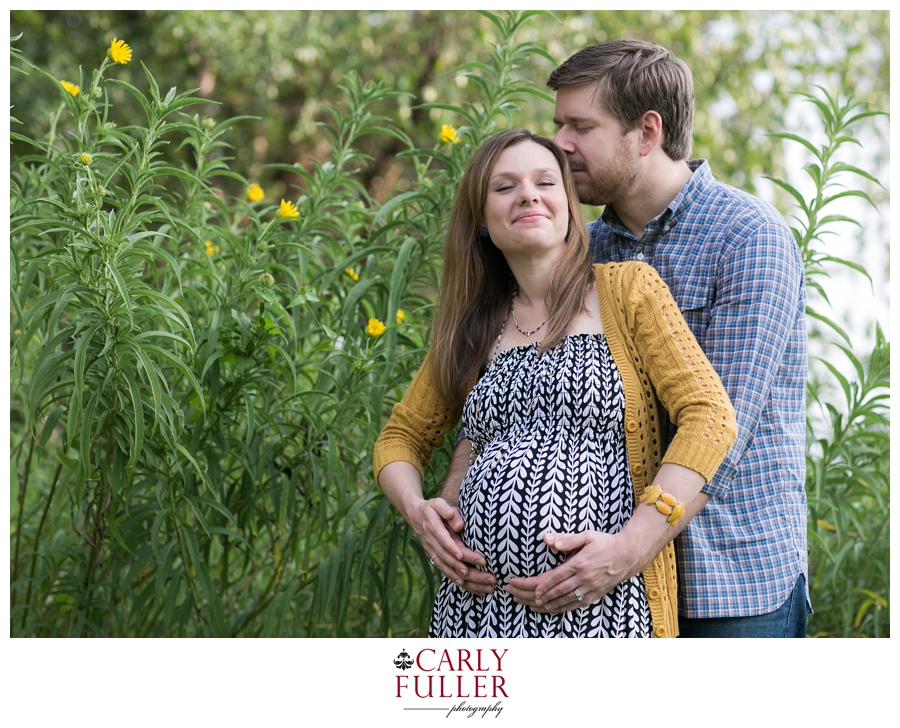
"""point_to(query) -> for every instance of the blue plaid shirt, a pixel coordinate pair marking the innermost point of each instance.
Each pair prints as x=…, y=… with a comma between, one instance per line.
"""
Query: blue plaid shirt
x=735, y=271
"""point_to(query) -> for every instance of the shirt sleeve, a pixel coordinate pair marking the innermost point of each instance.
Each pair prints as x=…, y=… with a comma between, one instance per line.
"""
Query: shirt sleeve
x=417, y=425
x=684, y=380
x=759, y=295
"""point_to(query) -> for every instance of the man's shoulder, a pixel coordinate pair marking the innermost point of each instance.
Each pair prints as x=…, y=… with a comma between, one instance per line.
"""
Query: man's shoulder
x=722, y=202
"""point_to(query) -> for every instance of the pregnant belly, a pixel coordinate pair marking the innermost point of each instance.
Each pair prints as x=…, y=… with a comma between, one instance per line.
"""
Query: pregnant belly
x=555, y=485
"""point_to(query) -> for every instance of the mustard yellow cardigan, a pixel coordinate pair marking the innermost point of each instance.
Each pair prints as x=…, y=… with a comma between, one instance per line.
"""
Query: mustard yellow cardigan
x=664, y=374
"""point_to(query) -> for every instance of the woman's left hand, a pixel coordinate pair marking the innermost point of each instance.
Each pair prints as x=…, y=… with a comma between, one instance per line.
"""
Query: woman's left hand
x=597, y=563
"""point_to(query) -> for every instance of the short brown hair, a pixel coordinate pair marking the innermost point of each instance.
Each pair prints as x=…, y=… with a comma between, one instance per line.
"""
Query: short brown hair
x=477, y=283
x=632, y=78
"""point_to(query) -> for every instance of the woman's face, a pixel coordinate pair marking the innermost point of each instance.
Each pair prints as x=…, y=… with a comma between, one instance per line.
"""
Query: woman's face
x=526, y=210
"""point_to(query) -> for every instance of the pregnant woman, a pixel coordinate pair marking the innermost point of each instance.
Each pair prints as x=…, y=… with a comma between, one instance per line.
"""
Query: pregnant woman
x=565, y=375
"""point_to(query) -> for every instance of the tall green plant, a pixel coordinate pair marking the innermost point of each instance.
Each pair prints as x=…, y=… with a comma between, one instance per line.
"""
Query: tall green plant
x=848, y=435
x=198, y=379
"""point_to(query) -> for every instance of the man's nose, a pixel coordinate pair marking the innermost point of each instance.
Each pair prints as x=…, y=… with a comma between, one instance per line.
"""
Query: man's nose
x=562, y=141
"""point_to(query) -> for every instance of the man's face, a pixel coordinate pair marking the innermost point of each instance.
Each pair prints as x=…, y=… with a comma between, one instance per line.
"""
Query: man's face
x=604, y=161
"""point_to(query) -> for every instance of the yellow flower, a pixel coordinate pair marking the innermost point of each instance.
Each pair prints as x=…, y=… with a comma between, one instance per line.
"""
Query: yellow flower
x=85, y=159
x=72, y=88
x=352, y=273
x=288, y=210
x=211, y=249
x=255, y=193
x=449, y=135
x=375, y=328
x=400, y=315
x=119, y=51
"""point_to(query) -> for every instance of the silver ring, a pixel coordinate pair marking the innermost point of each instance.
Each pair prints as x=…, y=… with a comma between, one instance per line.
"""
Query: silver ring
x=578, y=595
x=432, y=559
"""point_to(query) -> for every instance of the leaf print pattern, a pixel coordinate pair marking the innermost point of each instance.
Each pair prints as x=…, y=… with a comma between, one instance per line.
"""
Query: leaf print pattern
x=551, y=441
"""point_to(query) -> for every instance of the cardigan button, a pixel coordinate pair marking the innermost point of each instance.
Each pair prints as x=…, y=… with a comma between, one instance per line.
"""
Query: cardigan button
x=653, y=594
x=660, y=631
x=638, y=469
x=631, y=426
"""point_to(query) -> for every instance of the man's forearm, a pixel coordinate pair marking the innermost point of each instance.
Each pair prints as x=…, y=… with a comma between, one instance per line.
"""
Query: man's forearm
x=459, y=466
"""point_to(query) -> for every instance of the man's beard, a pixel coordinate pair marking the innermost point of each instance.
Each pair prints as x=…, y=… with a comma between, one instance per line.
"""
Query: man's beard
x=609, y=185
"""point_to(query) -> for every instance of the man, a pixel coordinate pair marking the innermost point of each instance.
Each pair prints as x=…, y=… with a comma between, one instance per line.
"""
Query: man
x=624, y=110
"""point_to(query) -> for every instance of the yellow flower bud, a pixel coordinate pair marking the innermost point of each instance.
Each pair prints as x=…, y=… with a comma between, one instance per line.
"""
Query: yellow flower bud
x=449, y=135
x=119, y=51
x=288, y=209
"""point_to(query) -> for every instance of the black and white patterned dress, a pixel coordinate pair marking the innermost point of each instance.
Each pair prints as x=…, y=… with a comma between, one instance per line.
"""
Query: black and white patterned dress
x=565, y=469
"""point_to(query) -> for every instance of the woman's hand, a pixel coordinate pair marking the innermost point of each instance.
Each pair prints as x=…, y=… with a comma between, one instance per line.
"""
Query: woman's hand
x=597, y=563
x=438, y=525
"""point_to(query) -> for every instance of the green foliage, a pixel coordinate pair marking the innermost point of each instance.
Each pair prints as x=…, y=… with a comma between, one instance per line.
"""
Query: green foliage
x=195, y=375
x=848, y=478
x=194, y=389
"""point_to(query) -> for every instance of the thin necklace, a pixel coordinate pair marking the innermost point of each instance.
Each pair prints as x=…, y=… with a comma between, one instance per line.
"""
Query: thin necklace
x=478, y=394
x=516, y=322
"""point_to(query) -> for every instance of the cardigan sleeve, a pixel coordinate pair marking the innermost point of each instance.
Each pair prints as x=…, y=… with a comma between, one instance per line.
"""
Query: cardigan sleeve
x=417, y=425
x=685, y=382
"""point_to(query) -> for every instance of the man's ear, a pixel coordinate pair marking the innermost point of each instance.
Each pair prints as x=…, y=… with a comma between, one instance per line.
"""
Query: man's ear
x=651, y=130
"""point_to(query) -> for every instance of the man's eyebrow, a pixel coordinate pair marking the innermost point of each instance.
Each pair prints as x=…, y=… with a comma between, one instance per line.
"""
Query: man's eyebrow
x=571, y=119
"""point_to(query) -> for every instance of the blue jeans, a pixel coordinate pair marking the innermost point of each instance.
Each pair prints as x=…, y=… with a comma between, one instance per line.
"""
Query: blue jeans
x=789, y=620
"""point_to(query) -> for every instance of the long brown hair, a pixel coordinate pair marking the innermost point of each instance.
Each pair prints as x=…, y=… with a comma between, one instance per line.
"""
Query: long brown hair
x=477, y=283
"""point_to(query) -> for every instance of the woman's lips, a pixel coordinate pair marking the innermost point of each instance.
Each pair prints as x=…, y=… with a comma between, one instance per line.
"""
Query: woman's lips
x=530, y=217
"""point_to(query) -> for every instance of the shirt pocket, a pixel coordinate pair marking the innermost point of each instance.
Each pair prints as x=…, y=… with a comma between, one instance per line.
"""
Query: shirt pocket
x=694, y=299
x=692, y=295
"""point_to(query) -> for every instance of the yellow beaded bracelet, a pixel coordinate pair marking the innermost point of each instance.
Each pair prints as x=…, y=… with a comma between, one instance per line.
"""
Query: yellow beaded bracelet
x=665, y=503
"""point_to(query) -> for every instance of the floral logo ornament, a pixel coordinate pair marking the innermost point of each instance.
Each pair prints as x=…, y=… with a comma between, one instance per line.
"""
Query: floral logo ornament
x=119, y=51
x=449, y=134
x=403, y=661
x=288, y=209
x=255, y=193
x=375, y=327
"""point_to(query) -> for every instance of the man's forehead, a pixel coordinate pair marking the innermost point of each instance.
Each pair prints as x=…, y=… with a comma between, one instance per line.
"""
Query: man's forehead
x=592, y=94
x=580, y=103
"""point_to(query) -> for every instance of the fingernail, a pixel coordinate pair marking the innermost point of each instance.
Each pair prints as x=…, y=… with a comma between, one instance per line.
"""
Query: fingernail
x=538, y=602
